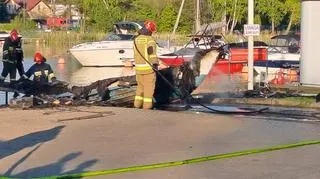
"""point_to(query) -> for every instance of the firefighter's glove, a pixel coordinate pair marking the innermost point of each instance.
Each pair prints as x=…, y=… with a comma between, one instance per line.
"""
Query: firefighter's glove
x=53, y=79
x=22, y=78
x=155, y=66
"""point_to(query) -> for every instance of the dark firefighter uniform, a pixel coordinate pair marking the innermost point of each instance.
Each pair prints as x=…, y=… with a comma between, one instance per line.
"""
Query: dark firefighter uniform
x=145, y=49
x=41, y=71
x=12, y=58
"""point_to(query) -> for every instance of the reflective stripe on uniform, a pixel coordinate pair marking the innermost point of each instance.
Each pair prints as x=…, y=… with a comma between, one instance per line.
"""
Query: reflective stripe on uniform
x=153, y=56
x=37, y=73
x=143, y=67
x=151, y=42
x=139, y=98
x=5, y=52
x=46, y=72
x=147, y=100
x=8, y=61
x=141, y=40
x=51, y=75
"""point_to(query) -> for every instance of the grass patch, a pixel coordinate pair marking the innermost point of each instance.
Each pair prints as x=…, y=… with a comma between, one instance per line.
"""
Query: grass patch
x=300, y=100
x=68, y=38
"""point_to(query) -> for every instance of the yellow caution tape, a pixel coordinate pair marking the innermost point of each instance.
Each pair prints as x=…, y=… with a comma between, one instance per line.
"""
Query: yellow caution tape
x=182, y=162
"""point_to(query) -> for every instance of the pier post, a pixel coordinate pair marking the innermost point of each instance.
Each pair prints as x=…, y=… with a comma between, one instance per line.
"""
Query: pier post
x=7, y=98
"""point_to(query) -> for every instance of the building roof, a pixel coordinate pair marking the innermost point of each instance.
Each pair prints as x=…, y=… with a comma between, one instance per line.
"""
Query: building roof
x=31, y=4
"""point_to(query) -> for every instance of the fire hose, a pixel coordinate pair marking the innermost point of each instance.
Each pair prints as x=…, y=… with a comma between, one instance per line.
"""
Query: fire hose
x=182, y=162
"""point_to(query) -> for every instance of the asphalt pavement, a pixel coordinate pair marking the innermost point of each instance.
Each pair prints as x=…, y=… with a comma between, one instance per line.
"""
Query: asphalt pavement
x=35, y=144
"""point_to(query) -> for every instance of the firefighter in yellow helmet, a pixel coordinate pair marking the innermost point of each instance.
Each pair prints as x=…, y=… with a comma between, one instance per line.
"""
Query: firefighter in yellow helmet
x=145, y=57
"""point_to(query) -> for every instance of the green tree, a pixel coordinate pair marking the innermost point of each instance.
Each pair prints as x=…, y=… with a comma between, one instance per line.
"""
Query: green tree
x=274, y=10
x=206, y=11
x=100, y=15
x=167, y=18
x=238, y=13
x=293, y=7
x=219, y=9
x=141, y=11
x=158, y=5
x=186, y=24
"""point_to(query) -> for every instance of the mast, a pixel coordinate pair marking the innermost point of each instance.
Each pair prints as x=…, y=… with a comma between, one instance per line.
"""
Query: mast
x=198, y=16
x=178, y=18
x=197, y=24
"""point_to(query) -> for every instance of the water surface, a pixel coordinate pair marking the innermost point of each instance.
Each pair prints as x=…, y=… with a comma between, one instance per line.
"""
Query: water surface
x=71, y=71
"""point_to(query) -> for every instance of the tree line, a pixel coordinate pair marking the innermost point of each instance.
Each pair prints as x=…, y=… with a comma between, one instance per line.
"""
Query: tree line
x=271, y=14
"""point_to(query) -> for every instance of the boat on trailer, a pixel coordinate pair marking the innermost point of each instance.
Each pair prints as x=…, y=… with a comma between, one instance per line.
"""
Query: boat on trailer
x=283, y=56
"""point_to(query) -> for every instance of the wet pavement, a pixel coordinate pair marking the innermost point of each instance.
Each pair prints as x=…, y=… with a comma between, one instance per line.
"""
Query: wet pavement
x=264, y=112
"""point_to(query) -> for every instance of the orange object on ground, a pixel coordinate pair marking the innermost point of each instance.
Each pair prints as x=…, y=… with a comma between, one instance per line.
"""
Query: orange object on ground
x=244, y=73
x=292, y=75
x=279, y=78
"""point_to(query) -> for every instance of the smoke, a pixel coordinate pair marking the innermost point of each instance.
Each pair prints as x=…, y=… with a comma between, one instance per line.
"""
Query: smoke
x=218, y=83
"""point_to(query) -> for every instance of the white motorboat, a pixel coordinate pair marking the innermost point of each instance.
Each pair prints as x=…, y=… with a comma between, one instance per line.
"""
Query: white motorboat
x=115, y=50
x=283, y=53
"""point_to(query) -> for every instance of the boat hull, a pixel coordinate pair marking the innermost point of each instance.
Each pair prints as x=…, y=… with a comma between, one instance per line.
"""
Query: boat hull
x=103, y=57
x=106, y=53
x=268, y=70
x=284, y=56
x=277, y=62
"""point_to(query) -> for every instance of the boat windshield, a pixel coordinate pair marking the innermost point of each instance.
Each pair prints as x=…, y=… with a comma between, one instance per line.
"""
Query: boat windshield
x=3, y=34
x=117, y=37
x=285, y=44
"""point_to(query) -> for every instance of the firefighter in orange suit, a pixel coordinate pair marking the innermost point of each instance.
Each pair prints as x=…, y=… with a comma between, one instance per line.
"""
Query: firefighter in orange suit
x=145, y=57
